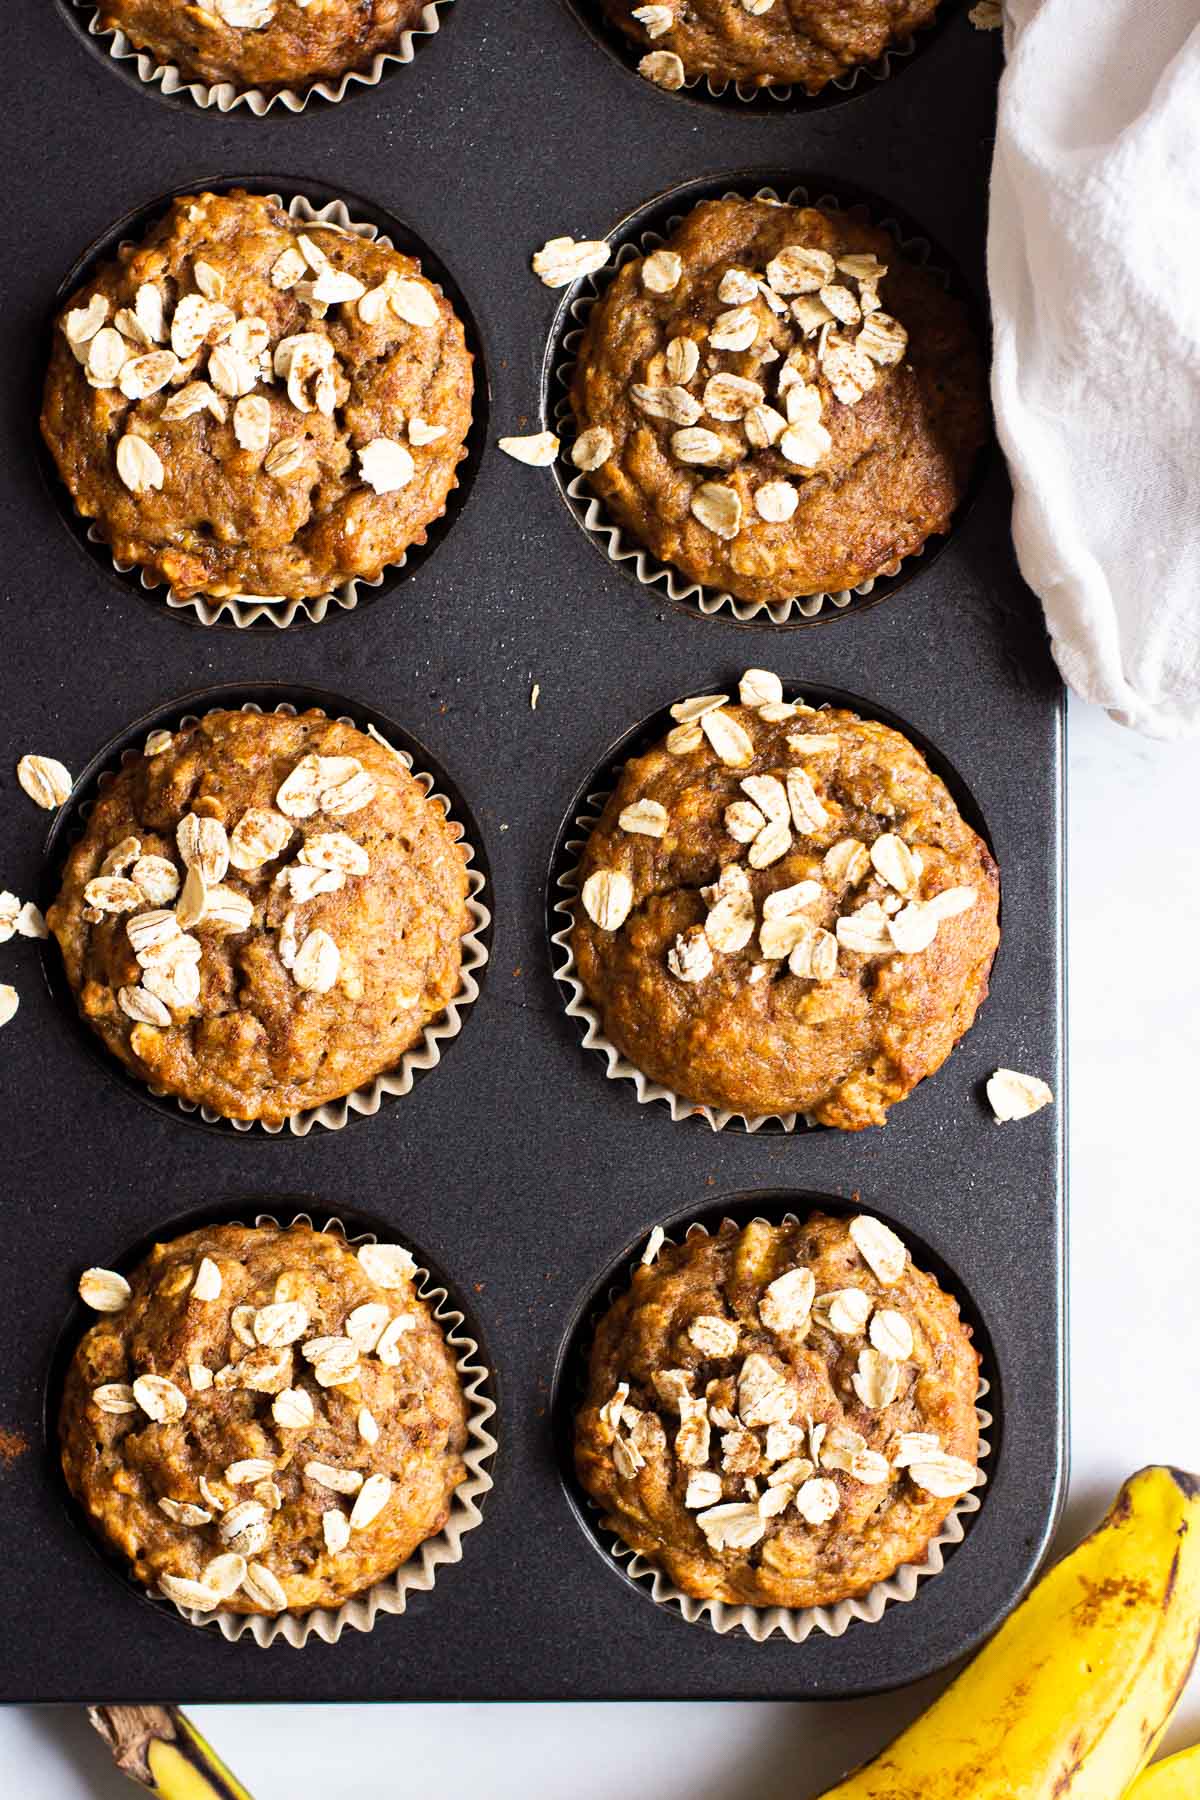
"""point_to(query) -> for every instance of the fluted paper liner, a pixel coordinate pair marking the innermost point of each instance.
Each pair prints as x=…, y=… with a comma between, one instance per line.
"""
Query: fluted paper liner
x=795, y=1623
x=225, y=96
x=785, y=92
x=416, y=1576
x=621, y=547
x=247, y=609
x=426, y=1055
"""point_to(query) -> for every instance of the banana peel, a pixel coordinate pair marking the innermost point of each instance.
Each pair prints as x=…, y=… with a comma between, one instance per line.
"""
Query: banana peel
x=1070, y=1698
x=1175, y=1778
x=159, y=1747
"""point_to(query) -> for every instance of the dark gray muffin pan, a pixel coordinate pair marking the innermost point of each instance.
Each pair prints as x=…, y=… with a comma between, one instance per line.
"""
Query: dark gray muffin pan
x=516, y=1167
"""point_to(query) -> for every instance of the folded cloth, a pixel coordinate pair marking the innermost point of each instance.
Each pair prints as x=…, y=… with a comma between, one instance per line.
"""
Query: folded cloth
x=1094, y=271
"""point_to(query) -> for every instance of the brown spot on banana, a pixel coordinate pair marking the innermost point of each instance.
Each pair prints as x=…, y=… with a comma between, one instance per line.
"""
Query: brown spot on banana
x=1075, y=1750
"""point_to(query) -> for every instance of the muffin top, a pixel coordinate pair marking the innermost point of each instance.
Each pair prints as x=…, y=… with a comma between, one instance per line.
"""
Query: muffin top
x=782, y=910
x=263, y=912
x=266, y=44
x=780, y=1415
x=250, y=404
x=758, y=43
x=263, y=1418
x=775, y=402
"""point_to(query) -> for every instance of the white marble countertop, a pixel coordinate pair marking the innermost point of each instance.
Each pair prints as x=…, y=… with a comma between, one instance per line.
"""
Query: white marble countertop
x=1134, y=995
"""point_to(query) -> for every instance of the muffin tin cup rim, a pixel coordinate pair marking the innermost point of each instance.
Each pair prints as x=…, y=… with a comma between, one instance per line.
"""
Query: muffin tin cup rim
x=424, y=1056
x=248, y=612
x=776, y=100
x=633, y=237
x=166, y=83
x=759, y=1624
x=562, y=895
x=390, y=1594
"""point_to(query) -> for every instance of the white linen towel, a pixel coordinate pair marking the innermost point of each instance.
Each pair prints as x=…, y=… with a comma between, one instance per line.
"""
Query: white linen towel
x=1094, y=271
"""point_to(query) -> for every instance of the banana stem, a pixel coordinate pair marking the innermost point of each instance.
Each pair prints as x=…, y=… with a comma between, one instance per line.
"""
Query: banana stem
x=160, y=1748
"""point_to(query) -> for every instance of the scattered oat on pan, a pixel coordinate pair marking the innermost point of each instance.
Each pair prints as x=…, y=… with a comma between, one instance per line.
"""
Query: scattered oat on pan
x=1012, y=1095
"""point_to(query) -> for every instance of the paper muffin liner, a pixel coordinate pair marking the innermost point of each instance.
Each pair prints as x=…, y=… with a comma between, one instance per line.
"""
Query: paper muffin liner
x=798, y=1624
x=418, y=1575
x=366, y=1100
x=777, y=96
x=225, y=96
x=244, y=610
x=621, y=547
x=860, y=79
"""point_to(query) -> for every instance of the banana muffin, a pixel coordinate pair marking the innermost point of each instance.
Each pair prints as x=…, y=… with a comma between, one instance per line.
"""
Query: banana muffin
x=264, y=44
x=775, y=402
x=262, y=1419
x=245, y=403
x=263, y=913
x=805, y=43
x=781, y=1415
x=783, y=911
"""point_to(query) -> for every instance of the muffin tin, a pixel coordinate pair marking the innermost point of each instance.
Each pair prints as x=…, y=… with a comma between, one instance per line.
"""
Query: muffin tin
x=515, y=1166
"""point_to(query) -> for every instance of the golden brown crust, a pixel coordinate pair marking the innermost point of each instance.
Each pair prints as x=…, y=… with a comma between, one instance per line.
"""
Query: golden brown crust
x=751, y=1036
x=119, y=1466
x=898, y=458
x=805, y=42
x=295, y=46
x=220, y=523
x=256, y=1044
x=879, y=1524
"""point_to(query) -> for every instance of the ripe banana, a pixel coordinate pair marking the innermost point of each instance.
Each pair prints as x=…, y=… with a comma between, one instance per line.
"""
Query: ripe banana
x=1070, y=1698
x=1177, y=1778
x=159, y=1747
